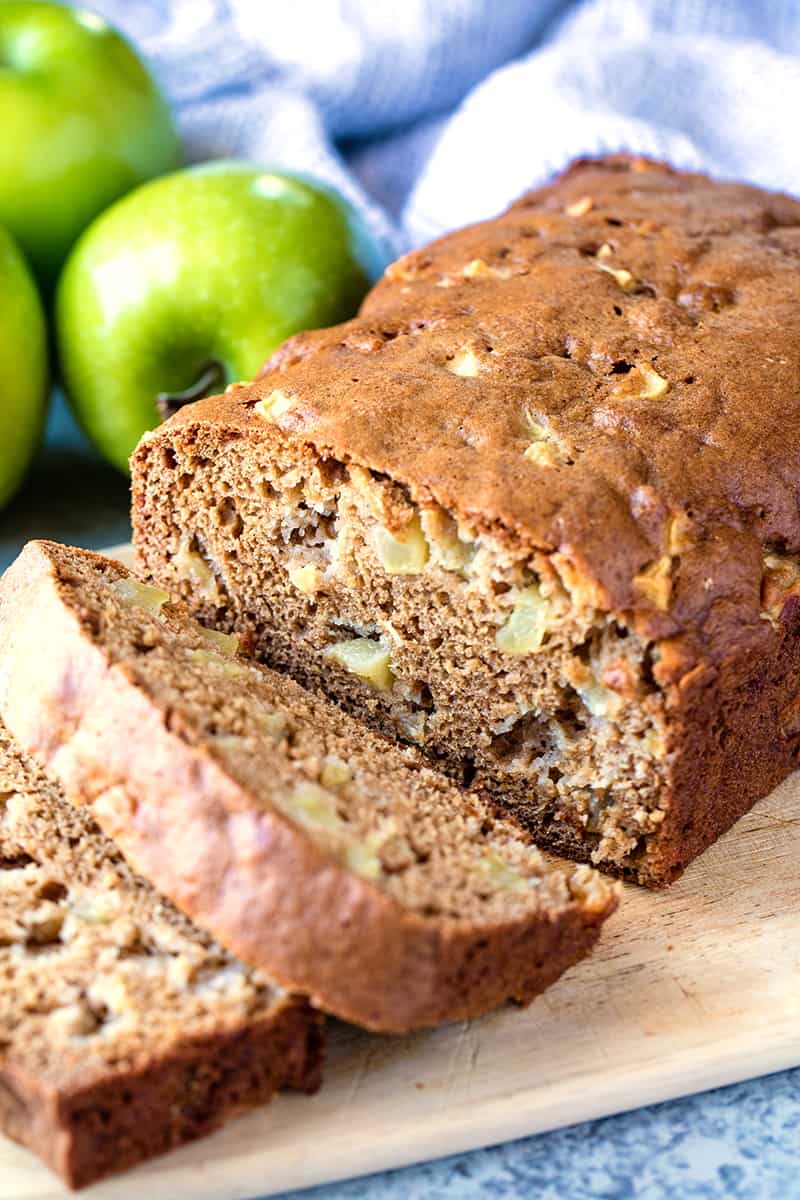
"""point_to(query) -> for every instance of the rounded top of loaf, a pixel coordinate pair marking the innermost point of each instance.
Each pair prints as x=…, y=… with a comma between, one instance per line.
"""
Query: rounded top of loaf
x=609, y=371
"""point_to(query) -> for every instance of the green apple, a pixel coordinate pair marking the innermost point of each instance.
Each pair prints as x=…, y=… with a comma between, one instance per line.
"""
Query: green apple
x=191, y=281
x=81, y=122
x=23, y=367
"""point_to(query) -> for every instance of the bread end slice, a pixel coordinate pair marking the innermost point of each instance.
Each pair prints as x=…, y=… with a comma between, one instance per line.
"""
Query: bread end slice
x=124, y=1030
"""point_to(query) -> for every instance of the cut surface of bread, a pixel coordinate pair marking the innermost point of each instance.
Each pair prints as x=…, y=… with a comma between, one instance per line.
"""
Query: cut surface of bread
x=314, y=849
x=124, y=1030
x=534, y=510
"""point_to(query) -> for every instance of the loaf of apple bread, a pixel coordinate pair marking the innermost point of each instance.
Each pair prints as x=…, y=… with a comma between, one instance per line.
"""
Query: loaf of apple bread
x=534, y=510
x=124, y=1030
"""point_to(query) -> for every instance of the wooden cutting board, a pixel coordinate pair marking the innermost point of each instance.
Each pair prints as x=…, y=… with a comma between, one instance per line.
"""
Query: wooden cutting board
x=688, y=989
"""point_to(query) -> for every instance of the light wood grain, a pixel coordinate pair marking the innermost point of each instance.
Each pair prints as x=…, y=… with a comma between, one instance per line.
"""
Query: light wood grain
x=690, y=988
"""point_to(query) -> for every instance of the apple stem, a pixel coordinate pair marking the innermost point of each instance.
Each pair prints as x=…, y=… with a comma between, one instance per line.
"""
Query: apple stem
x=210, y=380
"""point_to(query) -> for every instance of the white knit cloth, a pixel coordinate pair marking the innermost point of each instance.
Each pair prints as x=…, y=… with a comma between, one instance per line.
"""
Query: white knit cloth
x=432, y=113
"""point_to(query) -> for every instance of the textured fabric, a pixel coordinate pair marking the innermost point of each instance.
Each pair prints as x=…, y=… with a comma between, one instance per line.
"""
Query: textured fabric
x=432, y=113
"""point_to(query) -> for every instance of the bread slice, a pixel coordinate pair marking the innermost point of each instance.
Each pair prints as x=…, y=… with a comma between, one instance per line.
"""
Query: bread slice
x=323, y=854
x=547, y=477
x=124, y=1030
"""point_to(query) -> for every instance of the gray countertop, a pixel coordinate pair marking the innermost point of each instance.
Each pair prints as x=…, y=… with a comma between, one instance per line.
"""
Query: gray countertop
x=736, y=1142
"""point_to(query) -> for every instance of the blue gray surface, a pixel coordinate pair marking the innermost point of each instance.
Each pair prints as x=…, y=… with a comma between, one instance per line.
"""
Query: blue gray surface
x=70, y=495
x=735, y=1143
x=740, y=1142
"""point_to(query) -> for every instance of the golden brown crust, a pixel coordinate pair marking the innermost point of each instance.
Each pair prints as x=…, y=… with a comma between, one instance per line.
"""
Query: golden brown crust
x=249, y=875
x=88, y=1132
x=736, y=735
x=622, y=277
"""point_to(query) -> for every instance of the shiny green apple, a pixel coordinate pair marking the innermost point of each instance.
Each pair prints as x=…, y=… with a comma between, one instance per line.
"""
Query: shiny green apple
x=215, y=265
x=81, y=123
x=23, y=367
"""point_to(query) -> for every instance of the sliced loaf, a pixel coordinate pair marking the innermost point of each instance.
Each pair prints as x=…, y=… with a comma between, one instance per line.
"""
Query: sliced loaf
x=333, y=859
x=124, y=1030
x=549, y=476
